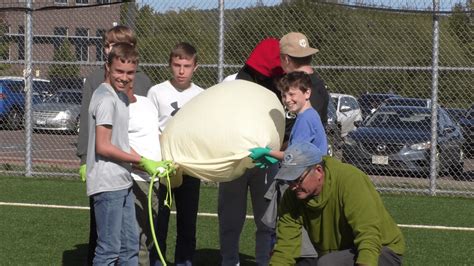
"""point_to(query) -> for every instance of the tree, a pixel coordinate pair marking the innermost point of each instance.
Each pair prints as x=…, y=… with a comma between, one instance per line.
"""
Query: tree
x=64, y=54
x=459, y=24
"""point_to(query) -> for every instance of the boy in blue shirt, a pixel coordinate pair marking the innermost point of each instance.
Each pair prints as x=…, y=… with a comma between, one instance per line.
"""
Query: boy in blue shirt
x=295, y=89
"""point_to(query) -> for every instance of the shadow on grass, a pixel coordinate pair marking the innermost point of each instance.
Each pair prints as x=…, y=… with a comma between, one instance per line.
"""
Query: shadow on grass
x=202, y=257
x=212, y=257
x=77, y=256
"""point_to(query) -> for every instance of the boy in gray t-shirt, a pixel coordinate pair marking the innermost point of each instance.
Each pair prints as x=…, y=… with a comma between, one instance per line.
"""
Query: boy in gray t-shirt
x=109, y=159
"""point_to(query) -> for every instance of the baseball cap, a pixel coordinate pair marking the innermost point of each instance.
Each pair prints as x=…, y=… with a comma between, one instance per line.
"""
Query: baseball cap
x=296, y=160
x=296, y=44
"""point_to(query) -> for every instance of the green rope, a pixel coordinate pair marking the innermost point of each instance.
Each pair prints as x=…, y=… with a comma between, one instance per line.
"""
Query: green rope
x=150, y=211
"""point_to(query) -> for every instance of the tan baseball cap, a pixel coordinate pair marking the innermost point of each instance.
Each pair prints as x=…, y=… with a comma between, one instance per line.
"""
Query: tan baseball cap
x=296, y=44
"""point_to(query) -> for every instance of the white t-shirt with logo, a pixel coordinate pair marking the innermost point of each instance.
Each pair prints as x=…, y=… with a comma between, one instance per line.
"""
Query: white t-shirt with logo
x=168, y=100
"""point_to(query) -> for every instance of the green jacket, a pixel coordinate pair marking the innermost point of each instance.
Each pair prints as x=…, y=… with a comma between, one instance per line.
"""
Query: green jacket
x=348, y=213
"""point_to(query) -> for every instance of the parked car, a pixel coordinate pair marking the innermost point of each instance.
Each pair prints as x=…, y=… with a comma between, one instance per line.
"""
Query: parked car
x=398, y=138
x=12, y=99
x=368, y=102
x=456, y=114
x=467, y=125
x=402, y=101
x=347, y=111
x=333, y=129
x=59, y=112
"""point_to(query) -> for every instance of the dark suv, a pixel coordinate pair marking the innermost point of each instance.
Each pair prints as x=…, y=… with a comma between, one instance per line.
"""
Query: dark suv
x=467, y=125
x=370, y=101
x=398, y=139
x=12, y=99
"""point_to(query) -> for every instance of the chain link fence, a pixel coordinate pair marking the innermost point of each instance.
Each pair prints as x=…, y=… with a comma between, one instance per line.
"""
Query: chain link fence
x=369, y=51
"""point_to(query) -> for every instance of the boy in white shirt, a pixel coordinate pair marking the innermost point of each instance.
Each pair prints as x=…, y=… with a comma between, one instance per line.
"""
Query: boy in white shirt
x=144, y=138
x=168, y=97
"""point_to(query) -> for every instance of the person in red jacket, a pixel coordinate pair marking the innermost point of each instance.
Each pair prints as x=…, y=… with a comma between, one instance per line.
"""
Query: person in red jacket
x=261, y=67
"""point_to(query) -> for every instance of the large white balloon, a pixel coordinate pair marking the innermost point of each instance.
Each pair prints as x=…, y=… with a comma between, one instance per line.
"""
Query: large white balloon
x=211, y=135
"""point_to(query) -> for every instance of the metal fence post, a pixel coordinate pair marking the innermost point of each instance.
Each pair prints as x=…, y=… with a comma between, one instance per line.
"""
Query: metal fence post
x=434, y=160
x=28, y=86
x=220, y=67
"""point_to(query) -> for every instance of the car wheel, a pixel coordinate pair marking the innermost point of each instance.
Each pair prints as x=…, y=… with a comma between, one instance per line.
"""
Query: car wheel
x=15, y=119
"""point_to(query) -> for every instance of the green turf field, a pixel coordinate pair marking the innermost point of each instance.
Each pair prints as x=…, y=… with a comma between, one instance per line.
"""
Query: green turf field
x=46, y=236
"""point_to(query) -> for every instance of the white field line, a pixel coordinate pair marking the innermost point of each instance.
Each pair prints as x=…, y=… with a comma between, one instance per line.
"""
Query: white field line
x=43, y=205
x=437, y=227
x=206, y=214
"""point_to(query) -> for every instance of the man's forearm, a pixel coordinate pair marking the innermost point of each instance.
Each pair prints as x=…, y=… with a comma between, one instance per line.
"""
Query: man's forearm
x=116, y=154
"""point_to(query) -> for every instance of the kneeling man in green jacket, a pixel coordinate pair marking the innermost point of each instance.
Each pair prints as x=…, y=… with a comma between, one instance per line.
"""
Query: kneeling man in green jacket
x=339, y=207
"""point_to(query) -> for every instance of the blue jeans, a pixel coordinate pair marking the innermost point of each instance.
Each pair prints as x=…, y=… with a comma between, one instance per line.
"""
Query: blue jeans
x=117, y=233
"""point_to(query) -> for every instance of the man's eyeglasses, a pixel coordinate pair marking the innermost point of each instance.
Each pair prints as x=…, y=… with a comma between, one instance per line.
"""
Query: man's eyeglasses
x=299, y=180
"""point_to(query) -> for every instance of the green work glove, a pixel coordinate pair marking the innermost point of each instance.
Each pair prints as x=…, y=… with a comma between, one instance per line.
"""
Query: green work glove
x=266, y=161
x=160, y=168
x=261, y=165
x=271, y=160
x=259, y=152
x=83, y=172
x=169, y=169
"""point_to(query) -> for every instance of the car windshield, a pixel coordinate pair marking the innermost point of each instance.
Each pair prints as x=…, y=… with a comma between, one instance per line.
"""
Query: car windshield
x=66, y=97
x=400, y=120
x=370, y=102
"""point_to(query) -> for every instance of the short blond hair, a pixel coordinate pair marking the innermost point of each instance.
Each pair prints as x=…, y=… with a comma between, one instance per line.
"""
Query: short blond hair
x=123, y=51
x=119, y=34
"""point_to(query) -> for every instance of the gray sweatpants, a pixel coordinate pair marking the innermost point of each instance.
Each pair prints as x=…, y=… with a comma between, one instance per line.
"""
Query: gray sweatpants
x=348, y=257
x=232, y=208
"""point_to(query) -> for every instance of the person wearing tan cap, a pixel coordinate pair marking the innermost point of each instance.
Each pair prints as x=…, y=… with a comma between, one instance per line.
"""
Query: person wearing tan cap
x=296, y=55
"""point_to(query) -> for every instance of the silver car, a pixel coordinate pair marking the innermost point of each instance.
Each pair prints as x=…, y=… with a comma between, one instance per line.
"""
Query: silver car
x=347, y=111
x=59, y=112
